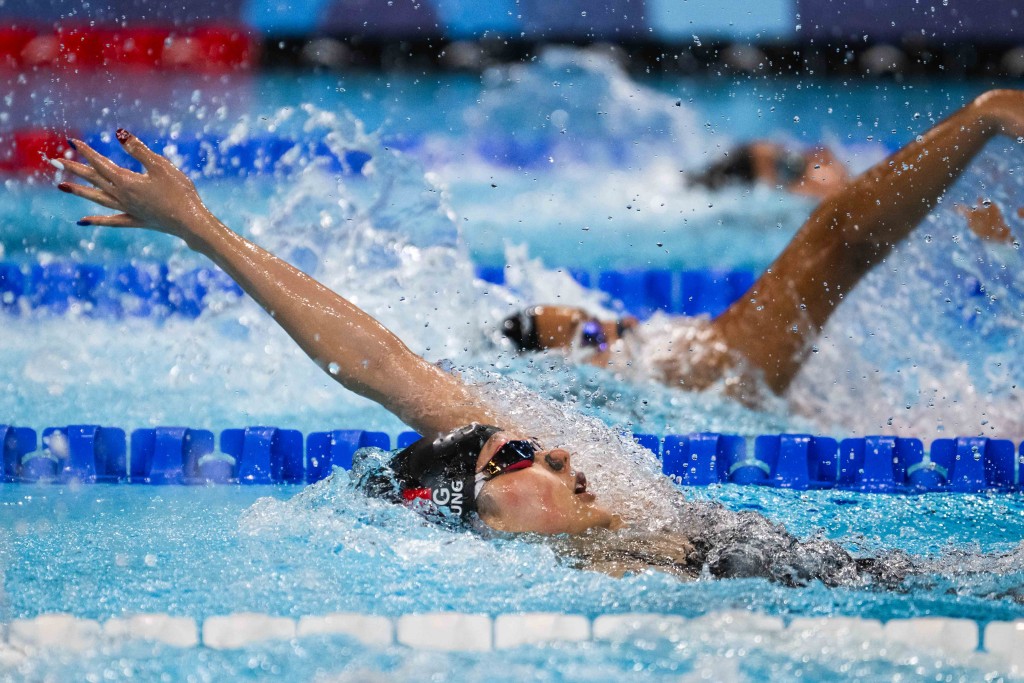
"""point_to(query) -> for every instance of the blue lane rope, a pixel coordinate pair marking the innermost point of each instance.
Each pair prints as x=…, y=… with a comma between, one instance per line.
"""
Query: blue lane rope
x=112, y=291
x=150, y=290
x=271, y=455
x=212, y=156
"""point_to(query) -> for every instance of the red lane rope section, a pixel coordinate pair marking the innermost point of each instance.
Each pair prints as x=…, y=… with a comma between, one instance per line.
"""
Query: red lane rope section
x=27, y=151
x=211, y=48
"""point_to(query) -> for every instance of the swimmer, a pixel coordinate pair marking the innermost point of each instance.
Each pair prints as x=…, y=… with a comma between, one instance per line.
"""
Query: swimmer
x=814, y=173
x=475, y=464
x=762, y=339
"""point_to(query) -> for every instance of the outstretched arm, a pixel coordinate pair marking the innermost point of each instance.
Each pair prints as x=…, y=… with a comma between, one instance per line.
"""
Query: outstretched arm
x=851, y=232
x=351, y=346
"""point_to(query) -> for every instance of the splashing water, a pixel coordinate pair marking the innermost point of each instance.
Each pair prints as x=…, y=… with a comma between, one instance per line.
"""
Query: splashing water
x=940, y=357
x=581, y=105
x=388, y=240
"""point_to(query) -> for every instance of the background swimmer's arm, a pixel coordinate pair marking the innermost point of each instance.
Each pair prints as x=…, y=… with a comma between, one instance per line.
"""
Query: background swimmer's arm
x=350, y=345
x=851, y=232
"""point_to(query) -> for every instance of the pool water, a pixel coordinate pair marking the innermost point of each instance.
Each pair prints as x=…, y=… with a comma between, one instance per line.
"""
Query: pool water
x=199, y=552
x=558, y=163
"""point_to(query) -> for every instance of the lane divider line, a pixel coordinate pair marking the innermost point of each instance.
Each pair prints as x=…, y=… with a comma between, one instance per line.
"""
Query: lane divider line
x=265, y=455
x=461, y=632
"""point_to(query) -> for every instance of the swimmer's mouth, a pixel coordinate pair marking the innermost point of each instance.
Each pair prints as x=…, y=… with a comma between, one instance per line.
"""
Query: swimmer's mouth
x=581, y=483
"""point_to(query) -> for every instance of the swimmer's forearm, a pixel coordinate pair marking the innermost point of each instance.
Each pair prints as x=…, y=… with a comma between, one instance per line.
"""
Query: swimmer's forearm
x=329, y=328
x=347, y=343
x=350, y=345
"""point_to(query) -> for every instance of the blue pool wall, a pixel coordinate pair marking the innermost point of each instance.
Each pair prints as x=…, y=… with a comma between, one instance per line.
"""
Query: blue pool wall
x=265, y=455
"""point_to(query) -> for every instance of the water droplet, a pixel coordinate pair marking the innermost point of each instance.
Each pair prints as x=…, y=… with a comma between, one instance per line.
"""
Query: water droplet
x=333, y=368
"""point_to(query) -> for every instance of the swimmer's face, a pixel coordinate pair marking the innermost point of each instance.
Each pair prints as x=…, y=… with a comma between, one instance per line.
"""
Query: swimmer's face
x=547, y=498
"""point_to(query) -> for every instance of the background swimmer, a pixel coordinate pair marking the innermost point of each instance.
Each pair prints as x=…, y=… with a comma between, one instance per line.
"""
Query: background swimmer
x=761, y=340
x=815, y=173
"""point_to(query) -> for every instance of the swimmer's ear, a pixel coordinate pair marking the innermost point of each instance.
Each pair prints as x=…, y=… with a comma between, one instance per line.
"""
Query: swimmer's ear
x=489, y=509
x=149, y=159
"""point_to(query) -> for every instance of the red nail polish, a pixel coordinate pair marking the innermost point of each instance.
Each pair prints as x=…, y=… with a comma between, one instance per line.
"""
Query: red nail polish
x=64, y=187
x=122, y=134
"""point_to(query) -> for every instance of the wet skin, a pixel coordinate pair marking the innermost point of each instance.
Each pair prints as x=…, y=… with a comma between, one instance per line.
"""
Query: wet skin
x=547, y=498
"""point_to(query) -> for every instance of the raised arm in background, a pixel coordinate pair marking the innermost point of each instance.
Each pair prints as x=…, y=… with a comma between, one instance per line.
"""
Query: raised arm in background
x=351, y=346
x=772, y=325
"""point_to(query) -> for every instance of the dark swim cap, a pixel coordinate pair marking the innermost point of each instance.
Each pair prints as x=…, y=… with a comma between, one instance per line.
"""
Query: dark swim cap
x=442, y=472
x=521, y=328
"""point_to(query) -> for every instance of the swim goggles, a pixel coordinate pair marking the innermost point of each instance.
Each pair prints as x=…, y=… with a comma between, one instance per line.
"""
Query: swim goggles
x=592, y=334
x=513, y=455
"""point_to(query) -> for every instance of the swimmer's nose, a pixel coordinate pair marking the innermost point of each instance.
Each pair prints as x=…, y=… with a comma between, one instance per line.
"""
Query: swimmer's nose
x=562, y=456
x=581, y=483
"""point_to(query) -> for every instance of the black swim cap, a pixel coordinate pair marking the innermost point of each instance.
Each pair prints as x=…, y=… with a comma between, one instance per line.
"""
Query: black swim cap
x=442, y=472
x=521, y=328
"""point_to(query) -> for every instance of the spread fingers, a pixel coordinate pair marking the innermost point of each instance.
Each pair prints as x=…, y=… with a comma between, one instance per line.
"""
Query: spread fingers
x=86, y=173
x=92, y=194
x=106, y=168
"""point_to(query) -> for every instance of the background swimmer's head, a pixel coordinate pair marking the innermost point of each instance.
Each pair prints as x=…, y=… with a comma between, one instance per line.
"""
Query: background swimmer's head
x=736, y=168
x=816, y=172
x=553, y=326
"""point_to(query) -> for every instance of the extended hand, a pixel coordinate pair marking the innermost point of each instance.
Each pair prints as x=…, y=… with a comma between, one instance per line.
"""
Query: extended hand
x=161, y=198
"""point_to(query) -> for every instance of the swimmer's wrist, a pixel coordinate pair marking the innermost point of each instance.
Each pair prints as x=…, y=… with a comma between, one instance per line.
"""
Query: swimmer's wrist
x=199, y=230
